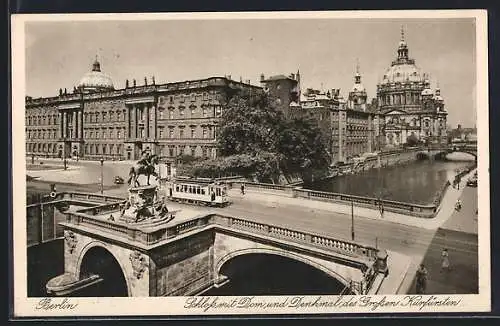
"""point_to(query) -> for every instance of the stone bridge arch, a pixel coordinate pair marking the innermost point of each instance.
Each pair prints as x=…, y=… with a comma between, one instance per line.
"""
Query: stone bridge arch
x=133, y=264
x=101, y=245
x=281, y=253
x=227, y=247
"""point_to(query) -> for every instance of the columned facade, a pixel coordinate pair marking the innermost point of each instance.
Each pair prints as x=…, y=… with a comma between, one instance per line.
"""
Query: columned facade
x=95, y=121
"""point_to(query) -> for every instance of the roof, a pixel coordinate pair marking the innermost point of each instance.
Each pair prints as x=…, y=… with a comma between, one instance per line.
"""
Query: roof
x=278, y=77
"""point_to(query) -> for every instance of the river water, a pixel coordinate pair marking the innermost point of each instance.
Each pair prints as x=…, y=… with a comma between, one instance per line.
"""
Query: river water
x=416, y=182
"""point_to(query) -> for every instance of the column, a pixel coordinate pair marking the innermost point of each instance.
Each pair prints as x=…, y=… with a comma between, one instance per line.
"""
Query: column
x=154, y=126
x=74, y=124
x=127, y=122
x=61, y=125
x=370, y=134
x=64, y=122
x=136, y=121
x=146, y=124
x=80, y=124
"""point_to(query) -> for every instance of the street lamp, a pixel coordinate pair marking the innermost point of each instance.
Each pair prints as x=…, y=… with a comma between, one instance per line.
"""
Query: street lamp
x=102, y=181
x=352, y=220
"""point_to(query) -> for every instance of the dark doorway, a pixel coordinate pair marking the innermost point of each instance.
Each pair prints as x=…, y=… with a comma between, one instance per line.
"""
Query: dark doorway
x=99, y=261
x=268, y=274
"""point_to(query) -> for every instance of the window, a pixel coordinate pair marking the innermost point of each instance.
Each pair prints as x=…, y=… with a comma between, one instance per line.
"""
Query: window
x=181, y=150
x=103, y=134
x=111, y=133
x=118, y=134
x=181, y=133
x=160, y=132
x=193, y=150
x=104, y=116
x=118, y=116
x=182, y=99
x=171, y=99
x=193, y=110
x=218, y=110
x=193, y=132
x=205, y=96
x=161, y=114
x=142, y=133
x=193, y=97
x=181, y=112
x=204, y=111
x=91, y=134
x=141, y=114
x=204, y=132
x=170, y=151
x=204, y=152
x=170, y=114
x=171, y=133
x=85, y=134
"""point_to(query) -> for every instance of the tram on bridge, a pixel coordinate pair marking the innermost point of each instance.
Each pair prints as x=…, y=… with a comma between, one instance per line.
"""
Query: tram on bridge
x=198, y=192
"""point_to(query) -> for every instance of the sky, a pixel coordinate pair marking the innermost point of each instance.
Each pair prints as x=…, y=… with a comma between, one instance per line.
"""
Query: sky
x=58, y=54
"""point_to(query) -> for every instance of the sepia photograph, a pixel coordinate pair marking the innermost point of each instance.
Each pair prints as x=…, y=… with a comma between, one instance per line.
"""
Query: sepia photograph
x=250, y=163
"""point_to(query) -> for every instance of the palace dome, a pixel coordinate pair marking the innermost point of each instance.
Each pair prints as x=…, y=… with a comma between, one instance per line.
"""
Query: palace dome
x=95, y=80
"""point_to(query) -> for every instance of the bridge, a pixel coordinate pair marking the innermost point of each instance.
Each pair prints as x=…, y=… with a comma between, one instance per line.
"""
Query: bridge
x=192, y=254
x=440, y=152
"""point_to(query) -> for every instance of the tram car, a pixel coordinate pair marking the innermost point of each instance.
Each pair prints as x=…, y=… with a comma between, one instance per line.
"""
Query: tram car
x=192, y=191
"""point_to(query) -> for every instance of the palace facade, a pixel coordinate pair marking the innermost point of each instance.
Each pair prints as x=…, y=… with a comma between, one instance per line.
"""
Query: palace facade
x=96, y=121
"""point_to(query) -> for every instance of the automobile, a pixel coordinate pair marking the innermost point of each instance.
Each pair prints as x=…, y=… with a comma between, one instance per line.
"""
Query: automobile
x=119, y=180
x=472, y=182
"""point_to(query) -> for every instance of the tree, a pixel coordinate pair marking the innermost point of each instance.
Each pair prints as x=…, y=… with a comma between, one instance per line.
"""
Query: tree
x=412, y=140
x=247, y=124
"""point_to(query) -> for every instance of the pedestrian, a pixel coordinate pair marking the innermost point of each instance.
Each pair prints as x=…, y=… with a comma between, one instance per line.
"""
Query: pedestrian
x=381, y=210
x=445, y=260
x=421, y=276
x=242, y=188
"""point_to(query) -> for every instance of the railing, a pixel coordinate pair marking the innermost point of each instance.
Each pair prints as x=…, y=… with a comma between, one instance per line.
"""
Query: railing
x=389, y=205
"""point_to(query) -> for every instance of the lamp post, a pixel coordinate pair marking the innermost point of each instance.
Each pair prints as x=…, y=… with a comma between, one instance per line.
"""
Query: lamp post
x=102, y=181
x=65, y=163
x=352, y=220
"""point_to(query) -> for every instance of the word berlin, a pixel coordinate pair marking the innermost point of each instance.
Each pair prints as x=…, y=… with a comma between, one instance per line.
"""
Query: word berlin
x=301, y=302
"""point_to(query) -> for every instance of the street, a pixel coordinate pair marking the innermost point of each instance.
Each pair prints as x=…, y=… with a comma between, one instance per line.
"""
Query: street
x=421, y=244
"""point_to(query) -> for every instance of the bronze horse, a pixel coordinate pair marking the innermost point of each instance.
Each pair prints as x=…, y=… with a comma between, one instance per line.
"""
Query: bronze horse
x=145, y=166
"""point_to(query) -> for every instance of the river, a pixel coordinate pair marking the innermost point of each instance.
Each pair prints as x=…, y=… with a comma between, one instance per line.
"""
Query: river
x=416, y=182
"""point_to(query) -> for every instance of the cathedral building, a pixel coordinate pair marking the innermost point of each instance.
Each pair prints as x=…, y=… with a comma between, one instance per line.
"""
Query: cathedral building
x=97, y=121
x=410, y=107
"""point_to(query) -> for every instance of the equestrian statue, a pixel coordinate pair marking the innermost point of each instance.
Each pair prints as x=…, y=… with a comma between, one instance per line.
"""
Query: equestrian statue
x=145, y=166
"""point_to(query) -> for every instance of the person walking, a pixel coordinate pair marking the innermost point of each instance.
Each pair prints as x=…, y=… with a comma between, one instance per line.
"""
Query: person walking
x=381, y=210
x=445, y=260
x=242, y=188
x=421, y=284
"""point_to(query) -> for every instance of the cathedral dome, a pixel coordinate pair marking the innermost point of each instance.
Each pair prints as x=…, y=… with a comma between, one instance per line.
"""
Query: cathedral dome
x=95, y=80
x=400, y=73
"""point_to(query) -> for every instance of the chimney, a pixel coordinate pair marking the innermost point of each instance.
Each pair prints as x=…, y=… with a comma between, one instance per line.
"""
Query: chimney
x=292, y=76
x=65, y=91
x=145, y=81
x=153, y=80
x=126, y=83
x=262, y=77
x=229, y=77
x=241, y=79
x=60, y=92
x=134, y=82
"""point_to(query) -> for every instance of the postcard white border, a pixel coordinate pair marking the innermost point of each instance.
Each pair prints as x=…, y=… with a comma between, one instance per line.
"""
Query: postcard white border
x=26, y=307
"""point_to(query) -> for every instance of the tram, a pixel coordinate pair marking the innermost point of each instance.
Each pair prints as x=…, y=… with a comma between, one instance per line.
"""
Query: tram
x=192, y=191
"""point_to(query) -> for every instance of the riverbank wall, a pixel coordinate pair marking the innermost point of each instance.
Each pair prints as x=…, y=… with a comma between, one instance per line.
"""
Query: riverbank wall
x=411, y=209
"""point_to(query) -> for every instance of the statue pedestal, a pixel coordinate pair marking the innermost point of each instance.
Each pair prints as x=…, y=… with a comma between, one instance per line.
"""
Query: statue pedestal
x=140, y=204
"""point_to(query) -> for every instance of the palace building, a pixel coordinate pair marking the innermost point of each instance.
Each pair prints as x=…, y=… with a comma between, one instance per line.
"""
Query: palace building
x=410, y=107
x=97, y=121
